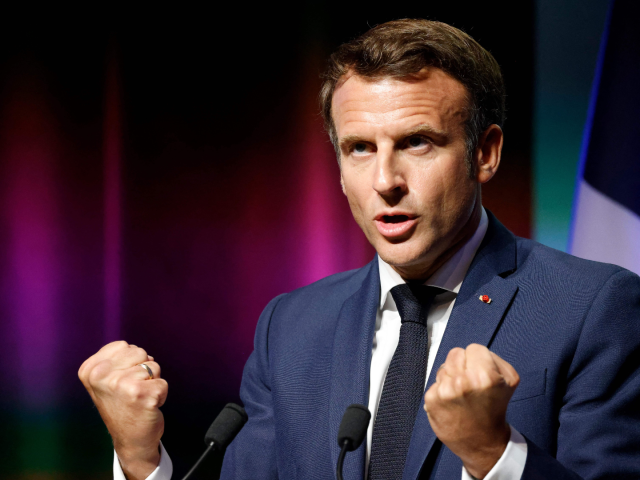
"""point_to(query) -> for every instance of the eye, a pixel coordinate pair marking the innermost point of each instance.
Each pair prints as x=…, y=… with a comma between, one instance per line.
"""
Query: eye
x=360, y=147
x=416, y=141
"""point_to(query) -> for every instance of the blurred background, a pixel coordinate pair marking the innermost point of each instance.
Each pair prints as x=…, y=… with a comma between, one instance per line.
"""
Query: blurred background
x=164, y=174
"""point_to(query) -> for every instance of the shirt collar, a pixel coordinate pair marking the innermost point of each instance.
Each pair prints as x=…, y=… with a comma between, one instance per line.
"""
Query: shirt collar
x=449, y=276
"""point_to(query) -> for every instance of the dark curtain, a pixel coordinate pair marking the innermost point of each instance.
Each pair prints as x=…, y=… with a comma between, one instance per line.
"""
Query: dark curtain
x=163, y=175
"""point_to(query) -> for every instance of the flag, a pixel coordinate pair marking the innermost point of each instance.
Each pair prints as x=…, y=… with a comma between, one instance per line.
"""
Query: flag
x=606, y=211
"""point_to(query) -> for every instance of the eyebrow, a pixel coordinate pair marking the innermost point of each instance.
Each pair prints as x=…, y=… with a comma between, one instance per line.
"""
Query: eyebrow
x=352, y=138
x=425, y=130
x=422, y=129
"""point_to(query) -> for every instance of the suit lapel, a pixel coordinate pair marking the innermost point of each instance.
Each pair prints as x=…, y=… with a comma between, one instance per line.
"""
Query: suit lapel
x=351, y=362
x=471, y=321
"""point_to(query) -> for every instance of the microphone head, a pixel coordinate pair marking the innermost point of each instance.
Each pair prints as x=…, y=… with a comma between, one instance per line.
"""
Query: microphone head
x=226, y=426
x=353, y=427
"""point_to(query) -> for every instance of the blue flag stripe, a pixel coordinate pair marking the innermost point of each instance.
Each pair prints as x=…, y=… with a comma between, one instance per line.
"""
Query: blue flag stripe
x=612, y=158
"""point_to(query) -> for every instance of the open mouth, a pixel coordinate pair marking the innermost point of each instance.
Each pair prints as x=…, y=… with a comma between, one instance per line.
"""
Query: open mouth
x=395, y=218
x=395, y=226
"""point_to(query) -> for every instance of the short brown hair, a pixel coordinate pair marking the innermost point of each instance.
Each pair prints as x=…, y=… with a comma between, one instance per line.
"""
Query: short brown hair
x=402, y=48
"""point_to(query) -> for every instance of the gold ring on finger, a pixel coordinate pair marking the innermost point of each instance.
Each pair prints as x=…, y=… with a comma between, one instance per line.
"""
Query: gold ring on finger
x=147, y=368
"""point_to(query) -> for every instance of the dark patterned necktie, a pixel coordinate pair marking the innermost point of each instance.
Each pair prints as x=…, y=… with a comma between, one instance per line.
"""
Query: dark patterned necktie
x=403, y=385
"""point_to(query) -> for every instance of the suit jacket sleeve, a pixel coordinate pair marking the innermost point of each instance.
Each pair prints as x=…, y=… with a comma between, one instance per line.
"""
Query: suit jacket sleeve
x=252, y=454
x=599, y=418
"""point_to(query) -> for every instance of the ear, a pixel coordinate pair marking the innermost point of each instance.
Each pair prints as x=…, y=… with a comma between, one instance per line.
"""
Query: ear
x=342, y=183
x=488, y=153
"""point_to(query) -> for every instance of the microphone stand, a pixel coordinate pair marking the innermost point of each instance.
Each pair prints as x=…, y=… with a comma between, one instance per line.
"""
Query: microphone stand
x=343, y=453
x=222, y=431
x=200, y=460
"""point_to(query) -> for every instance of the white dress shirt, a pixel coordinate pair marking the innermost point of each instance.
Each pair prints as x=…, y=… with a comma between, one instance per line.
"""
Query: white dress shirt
x=385, y=340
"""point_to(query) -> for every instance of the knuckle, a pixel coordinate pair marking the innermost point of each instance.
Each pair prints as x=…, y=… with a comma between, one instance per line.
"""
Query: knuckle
x=446, y=390
x=137, y=354
x=132, y=390
x=454, y=353
x=516, y=379
x=93, y=378
x=82, y=372
x=152, y=400
x=115, y=383
x=117, y=345
x=447, y=393
x=483, y=380
x=124, y=387
x=476, y=348
x=431, y=396
x=97, y=374
x=156, y=395
x=460, y=383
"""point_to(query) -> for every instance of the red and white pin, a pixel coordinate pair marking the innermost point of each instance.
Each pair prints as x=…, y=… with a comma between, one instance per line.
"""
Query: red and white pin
x=484, y=298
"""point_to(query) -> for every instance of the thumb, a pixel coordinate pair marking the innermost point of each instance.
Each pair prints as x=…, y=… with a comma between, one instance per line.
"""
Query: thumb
x=505, y=369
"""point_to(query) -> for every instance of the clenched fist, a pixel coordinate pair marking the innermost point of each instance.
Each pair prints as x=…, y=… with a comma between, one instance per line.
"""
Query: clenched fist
x=467, y=406
x=129, y=403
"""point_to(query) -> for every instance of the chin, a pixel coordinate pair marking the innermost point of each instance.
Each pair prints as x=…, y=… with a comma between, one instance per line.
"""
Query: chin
x=400, y=255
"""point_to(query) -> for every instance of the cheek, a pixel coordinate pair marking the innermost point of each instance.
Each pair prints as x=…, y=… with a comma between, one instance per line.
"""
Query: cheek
x=353, y=188
x=431, y=187
x=444, y=190
x=355, y=203
x=357, y=198
x=459, y=200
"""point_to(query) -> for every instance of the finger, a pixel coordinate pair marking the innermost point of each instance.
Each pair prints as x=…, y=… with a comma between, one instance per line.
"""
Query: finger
x=142, y=373
x=129, y=357
x=430, y=398
x=109, y=348
x=150, y=358
x=154, y=392
x=120, y=353
x=447, y=390
x=479, y=357
x=509, y=373
x=481, y=368
x=456, y=361
x=163, y=391
x=104, y=353
x=440, y=373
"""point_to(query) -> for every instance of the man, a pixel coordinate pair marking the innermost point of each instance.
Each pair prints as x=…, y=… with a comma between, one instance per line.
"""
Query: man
x=536, y=351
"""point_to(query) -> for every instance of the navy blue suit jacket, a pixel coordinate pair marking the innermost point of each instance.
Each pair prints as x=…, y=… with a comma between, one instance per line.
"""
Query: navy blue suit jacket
x=570, y=327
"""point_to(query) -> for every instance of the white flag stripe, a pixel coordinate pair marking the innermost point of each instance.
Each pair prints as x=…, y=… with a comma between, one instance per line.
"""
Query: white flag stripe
x=605, y=231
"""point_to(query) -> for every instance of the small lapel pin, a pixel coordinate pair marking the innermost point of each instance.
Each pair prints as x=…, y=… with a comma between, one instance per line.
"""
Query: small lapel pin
x=484, y=298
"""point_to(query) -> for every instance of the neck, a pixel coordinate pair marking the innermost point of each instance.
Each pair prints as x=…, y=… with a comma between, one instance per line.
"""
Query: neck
x=422, y=273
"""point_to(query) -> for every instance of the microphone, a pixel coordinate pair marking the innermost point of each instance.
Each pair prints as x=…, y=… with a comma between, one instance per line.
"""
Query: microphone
x=352, y=431
x=222, y=431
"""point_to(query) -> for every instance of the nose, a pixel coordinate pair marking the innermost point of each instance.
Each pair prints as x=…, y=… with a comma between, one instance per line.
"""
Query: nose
x=388, y=178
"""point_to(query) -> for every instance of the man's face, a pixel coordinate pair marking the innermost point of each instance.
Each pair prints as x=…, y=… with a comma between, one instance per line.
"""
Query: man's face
x=403, y=153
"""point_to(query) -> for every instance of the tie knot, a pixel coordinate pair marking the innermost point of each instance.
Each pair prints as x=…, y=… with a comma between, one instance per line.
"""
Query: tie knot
x=414, y=301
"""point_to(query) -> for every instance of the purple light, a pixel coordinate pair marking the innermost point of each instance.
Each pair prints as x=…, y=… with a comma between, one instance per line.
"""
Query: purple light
x=112, y=158
x=31, y=210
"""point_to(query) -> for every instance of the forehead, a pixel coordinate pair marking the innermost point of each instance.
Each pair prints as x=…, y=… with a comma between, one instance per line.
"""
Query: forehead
x=430, y=97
